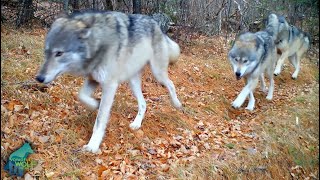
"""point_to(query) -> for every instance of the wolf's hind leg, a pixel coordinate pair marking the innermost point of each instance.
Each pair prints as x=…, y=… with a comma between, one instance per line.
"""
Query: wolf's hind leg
x=271, y=82
x=295, y=61
x=135, y=85
x=162, y=76
x=263, y=83
x=85, y=94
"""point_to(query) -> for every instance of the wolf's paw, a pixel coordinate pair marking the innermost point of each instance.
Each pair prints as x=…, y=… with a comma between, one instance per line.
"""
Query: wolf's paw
x=177, y=104
x=89, y=102
x=236, y=104
x=135, y=125
x=294, y=76
x=93, y=105
x=269, y=98
x=90, y=148
x=264, y=90
x=250, y=108
x=277, y=71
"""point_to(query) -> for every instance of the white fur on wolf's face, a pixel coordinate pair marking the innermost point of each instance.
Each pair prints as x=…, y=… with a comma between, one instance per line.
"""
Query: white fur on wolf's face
x=65, y=52
x=59, y=62
x=242, y=65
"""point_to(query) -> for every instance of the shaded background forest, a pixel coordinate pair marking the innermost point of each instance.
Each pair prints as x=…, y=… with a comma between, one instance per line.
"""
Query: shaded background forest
x=208, y=17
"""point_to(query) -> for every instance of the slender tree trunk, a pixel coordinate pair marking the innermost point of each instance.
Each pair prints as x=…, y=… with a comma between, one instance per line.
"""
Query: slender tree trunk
x=94, y=4
x=108, y=5
x=136, y=6
x=65, y=5
x=75, y=5
x=25, y=12
x=219, y=22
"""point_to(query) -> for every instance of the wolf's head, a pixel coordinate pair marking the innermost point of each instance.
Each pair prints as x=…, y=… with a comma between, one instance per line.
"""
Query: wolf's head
x=277, y=27
x=245, y=54
x=66, y=48
x=272, y=25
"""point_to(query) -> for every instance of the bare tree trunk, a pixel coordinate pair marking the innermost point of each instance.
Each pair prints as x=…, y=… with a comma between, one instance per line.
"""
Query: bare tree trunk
x=65, y=5
x=25, y=12
x=157, y=6
x=94, y=4
x=108, y=5
x=75, y=5
x=136, y=6
x=219, y=22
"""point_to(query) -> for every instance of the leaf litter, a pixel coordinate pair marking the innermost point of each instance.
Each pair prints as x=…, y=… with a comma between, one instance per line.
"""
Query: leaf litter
x=57, y=125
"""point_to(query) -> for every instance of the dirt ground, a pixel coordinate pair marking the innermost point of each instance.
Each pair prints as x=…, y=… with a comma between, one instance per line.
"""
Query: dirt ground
x=207, y=139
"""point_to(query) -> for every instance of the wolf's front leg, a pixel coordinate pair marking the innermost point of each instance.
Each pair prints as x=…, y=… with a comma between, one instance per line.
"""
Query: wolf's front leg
x=251, y=103
x=250, y=86
x=108, y=93
x=85, y=94
x=280, y=62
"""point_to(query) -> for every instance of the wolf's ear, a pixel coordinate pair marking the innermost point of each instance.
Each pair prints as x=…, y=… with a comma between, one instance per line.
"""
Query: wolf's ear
x=85, y=33
x=87, y=20
x=231, y=54
x=59, y=22
x=61, y=18
x=61, y=14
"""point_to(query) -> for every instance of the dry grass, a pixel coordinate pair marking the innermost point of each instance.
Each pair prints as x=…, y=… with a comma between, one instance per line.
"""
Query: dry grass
x=268, y=143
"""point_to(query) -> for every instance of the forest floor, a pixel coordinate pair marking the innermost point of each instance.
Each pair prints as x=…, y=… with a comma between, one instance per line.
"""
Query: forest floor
x=207, y=139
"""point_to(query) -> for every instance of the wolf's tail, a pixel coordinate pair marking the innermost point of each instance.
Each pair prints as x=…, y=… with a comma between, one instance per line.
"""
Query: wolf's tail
x=272, y=25
x=173, y=49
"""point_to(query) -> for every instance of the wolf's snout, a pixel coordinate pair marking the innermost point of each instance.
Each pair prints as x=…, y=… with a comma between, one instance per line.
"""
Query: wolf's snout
x=40, y=78
x=238, y=75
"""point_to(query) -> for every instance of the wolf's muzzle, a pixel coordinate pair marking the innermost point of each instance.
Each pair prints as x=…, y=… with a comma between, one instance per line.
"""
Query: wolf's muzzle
x=40, y=78
x=238, y=75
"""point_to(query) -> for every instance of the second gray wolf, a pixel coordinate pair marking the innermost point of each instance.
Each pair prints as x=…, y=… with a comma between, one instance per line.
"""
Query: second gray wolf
x=108, y=48
x=163, y=20
x=292, y=42
x=250, y=56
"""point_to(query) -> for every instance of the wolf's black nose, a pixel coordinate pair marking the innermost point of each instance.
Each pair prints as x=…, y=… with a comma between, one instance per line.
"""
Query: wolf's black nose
x=40, y=78
x=238, y=74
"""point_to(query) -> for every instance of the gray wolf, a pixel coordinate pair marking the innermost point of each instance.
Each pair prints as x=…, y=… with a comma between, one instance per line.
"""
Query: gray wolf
x=293, y=44
x=108, y=48
x=163, y=20
x=250, y=56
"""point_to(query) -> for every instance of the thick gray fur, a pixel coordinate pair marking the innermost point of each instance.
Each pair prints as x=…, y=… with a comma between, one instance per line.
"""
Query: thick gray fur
x=163, y=20
x=250, y=56
x=292, y=42
x=108, y=48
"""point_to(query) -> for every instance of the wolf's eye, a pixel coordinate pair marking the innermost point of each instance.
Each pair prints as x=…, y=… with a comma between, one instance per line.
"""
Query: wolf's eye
x=59, y=53
x=245, y=61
